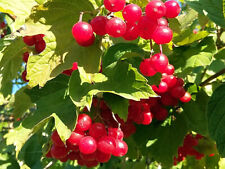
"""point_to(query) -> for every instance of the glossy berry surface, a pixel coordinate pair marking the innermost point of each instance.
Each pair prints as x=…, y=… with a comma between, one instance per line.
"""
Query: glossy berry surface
x=58, y=152
x=116, y=27
x=56, y=139
x=172, y=9
x=159, y=62
x=114, y=5
x=83, y=33
x=162, y=22
x=87, y=145
x=120, y=149
x=84, y=122
x=116, y=133
x=155, y=9
x=102, y=157
x=74, y=138
x=132, y=13
x=132, y=32
x=147, y=27
x=186, y=98
x=162, y=35
x=107, y=144
x=97, y=130
x=177, y=92
x=147, y=118
x=98, y=25
x=146, y=68
x=169, y=69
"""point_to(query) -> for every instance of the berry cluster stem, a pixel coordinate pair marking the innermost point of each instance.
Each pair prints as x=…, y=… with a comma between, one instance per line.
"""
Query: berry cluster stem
x=204, y=83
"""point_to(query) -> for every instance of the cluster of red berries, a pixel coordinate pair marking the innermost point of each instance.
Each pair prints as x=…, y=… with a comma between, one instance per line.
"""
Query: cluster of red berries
x=3, y=29
x=148, y=25
x=40, y=45
x=187, y=149
x=89, y=144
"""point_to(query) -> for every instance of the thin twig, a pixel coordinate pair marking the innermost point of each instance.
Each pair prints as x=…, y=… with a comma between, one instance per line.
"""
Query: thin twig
x=11, y=16
x=151, y=46
x=161, y=49
x=212, y=77
x=49, y=164
x=114, y=117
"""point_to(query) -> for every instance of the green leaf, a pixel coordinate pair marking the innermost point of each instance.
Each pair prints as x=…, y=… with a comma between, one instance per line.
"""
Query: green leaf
x=120, y=79
x=165, y=140
x=141, y=3
x=224, y=8
x=117, y=104
x=212, y=9
x=216, y=118
x=22, y=103
x=10, y=63
x=61, y=49
x=121, y=51
x=195, y=113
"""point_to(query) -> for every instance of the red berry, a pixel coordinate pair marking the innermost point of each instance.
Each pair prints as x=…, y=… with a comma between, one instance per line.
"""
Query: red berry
x=84, y=122
x=91, y=164
x=132, y=32
x=162, y=35
x=168, y=100
x=116, y=27
x=58, y=152
x=146, y=68
x=64, y=159
x=24, y=76
x=172, y=9
x=186, y=98
x=106, y=144
x=40, y=46
x=74, y=139
x=88, y=157
x=83, y=34
x=102, y=157
x=180, y=82
x=56, y=139
x=155, y=9
x=169, y=69
x=98, y=25
x=116, y=133
x=161, y=114
x=132, y=13
x=170, y=80
x=162, y=22
x=38, y=38
x=25, y=57
x=29, y=40
x=147, y=27
x=97, y=130
x=87, y=145
x=48, y=155
x=73, y=155
x=128, y=129
x=120, y=149
x=159, y=62
x=2, y=25
x=147, y=118
x=163, y=87
x=177, y=92
x=114, y=5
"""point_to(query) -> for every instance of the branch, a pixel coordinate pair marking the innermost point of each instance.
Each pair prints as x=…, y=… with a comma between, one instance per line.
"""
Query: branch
x=11, y=16
x=212, y=77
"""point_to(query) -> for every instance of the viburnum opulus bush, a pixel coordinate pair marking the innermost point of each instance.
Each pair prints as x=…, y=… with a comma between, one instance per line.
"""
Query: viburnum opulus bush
x=112, y=84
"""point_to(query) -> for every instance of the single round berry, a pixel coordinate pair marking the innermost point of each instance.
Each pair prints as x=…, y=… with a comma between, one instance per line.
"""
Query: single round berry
x=84, y=122
x=83, y=34
x=87, y=145
x=169, y=69
x=163, y=87
x=180, y=82
x=114, y=5
x=98, y=25
x=155, y=9
x=88, y=157
x=58, y=152
x=177, y=92
x=146, y=68
x=25, y=57
x=39, y=38
x=132, y=13
x=74, y=139
x=116, y=133
x=172, y=9
x=24, y=76
x=186, y=98
x=147, y=27
x=161, y=114
x=97, y=130
x=159, y=62
x=170, y=80
x=90, y=164
x=56, y=139
x=106, y=144
x=162, y=35
x=120, y=149
x=162, y=22
x=147, y=118
x=29, y=40
x=102, y=157
x=40, y=46
x=116, y=27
